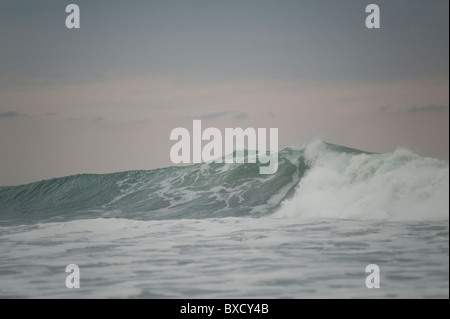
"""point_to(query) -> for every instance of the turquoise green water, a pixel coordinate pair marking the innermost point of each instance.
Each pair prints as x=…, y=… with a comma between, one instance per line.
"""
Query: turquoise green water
x=223, y=230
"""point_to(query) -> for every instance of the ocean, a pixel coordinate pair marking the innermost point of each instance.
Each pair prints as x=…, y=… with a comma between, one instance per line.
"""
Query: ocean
x=225, y=231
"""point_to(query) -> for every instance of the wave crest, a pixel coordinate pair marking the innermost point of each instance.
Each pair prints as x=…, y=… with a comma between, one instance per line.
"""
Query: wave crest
x=395, y=186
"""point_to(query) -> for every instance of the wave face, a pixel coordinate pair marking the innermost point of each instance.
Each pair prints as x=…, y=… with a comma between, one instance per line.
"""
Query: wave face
x=317, y=181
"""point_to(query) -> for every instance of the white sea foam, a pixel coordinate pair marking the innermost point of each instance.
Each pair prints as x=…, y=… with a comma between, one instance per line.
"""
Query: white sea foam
x=225, y=258
x=169, y=232
x=397, y=186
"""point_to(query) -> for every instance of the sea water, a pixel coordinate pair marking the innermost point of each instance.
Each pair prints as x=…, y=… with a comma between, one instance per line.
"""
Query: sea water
x=225, y=231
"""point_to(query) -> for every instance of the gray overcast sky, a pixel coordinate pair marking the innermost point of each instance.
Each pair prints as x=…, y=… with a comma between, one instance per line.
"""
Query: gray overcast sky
x=105, y=97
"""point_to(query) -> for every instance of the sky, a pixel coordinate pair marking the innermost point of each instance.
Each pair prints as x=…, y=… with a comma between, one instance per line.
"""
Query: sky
x=104, y=98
